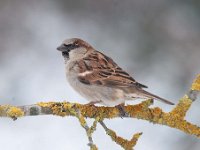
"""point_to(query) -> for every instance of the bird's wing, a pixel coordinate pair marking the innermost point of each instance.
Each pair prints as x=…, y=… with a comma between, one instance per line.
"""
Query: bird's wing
x=98, y=69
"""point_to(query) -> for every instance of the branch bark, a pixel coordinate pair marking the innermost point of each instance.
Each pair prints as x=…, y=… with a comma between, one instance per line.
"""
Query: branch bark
x=173, y=119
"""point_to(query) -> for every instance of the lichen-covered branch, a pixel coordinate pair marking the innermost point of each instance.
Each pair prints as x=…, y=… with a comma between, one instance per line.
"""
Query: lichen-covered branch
x=84, y=124
x=126, y=144
x=175, y=118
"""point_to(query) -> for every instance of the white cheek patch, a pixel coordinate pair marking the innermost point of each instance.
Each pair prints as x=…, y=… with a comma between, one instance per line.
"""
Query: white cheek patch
x=84, y=73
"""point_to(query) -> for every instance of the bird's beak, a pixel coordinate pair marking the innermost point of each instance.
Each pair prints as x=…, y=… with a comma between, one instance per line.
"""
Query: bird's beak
x=61, y=48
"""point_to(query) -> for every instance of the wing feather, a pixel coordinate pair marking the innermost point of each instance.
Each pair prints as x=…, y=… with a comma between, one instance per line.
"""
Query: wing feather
x=103, y=71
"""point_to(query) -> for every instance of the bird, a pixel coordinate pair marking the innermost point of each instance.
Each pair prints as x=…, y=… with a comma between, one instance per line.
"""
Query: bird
x=98, y=78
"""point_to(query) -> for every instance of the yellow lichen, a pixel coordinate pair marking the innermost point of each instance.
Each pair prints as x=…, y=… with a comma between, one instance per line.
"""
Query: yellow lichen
x=59, y=109
x=174, y=118
x=45, y=104
x=81, y=120
x=156, y=114
x=127, y=145
x=2, y=110
x=140, y=111
x=182, y=107
x=94, y=125
x=14, y=112
x=196, y=84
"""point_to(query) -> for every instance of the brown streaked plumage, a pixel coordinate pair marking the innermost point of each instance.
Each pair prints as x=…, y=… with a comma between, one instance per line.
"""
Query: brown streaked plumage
x=105, y=72
x=97, y=77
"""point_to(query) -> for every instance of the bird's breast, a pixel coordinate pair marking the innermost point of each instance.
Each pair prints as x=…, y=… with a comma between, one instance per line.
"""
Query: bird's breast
x=109, y=96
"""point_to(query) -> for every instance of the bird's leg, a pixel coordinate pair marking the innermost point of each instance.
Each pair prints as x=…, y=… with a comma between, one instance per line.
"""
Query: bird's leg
x=122, y=111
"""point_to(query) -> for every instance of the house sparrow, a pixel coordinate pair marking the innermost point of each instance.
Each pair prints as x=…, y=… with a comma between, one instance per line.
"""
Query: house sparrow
x=98, y=78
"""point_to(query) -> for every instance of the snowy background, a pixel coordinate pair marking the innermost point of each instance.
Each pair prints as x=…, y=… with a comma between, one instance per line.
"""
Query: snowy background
x=157, y=41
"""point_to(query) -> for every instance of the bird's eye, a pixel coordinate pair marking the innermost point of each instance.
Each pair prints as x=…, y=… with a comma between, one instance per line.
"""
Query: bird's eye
x=69, y=47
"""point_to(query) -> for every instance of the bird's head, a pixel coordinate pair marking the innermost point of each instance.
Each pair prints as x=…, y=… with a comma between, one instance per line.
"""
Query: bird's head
x=74, y=48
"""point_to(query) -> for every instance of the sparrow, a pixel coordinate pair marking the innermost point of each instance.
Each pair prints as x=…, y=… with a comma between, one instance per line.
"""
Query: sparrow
x=98, y=78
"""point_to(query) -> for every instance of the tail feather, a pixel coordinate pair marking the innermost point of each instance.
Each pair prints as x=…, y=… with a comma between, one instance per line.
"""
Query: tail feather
x=150, y=95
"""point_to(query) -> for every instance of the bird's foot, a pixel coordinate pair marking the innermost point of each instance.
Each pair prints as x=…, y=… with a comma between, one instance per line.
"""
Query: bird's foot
x=122, y=111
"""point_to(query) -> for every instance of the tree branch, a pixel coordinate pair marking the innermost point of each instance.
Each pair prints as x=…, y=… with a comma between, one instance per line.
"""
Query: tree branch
x=174, y=118
x=126, y=144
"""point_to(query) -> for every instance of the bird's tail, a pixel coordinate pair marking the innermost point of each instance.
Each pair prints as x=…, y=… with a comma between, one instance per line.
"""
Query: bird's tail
x=150, y=95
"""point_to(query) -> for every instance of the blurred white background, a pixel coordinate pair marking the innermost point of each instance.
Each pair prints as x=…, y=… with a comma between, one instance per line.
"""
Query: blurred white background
x=157, y=41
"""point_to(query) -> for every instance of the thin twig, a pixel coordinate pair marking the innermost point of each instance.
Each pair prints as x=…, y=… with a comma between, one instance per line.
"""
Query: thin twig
x=88, y=130
x=126, y=144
